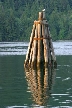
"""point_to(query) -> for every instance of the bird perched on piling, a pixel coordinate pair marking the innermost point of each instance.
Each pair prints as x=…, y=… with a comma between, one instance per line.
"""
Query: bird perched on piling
x=43, y=10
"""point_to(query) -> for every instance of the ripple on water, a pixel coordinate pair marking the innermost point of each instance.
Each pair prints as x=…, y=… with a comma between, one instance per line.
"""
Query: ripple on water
x=8, y=48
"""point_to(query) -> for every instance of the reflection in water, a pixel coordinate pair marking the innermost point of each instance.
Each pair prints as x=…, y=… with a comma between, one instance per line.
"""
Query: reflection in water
x=40, y=82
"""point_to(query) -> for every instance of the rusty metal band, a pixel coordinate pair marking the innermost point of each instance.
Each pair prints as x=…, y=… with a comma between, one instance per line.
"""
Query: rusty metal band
x=41, y=38
x=40, y=22
x=37, y=22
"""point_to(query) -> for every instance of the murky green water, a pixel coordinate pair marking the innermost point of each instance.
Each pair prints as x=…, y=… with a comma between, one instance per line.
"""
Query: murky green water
x=23, y=88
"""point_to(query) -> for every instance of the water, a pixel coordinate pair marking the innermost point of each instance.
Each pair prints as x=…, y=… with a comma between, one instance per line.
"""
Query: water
x=47, y=88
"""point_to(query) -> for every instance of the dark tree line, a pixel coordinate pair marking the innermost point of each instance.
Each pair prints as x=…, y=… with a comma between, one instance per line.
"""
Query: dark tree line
x=17, y=16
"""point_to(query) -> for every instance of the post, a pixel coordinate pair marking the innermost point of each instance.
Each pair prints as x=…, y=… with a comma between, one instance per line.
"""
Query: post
x=30, y=58
x=40, y=48
x=39, y=56
x=45, y=43
x=40, y=16
x=39, y=44
x=52, y=49
x=43, y=11
x=34, y=58
x=30, y=44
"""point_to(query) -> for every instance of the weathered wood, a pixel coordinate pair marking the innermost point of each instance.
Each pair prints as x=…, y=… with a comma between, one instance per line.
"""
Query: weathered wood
x=39, y=44
x=40, y=16
x=49, y=48
x=30, y=59
x=34, y=58
x=40, y=47
x=51, y=45
x=41, y=22
x=30, y=44
x=43, y=11
x=45, y=42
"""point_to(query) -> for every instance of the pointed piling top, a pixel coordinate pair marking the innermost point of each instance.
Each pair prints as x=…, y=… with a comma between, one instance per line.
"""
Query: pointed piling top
x=42, y=15
x=43, y=11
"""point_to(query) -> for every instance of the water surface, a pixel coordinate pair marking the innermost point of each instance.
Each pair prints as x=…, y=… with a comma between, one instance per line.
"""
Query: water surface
x=18, y=90
x=20, y=48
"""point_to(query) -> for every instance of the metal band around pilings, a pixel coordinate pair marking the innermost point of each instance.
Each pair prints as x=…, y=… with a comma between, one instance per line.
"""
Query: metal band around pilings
x=41, y=38
x=40, y=22
x=37, y=22
x=41, y=19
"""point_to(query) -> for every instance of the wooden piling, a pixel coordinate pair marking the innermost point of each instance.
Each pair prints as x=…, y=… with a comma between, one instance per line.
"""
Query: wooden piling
x=40, y=44
x=43, y=14
x=45, y=43
x=30, y=58
x=40, y=48
x=51, y=46
x=30, y=44
x=34, y=58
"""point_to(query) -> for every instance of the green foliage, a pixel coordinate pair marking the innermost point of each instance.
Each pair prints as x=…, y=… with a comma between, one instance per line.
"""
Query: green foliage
x=17, y=16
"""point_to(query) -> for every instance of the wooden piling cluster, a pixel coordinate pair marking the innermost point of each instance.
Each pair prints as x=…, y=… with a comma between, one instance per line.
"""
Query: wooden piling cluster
x=40, y=48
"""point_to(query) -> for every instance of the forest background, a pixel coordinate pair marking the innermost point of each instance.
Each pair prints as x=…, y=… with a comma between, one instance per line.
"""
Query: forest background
x=17, y=17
